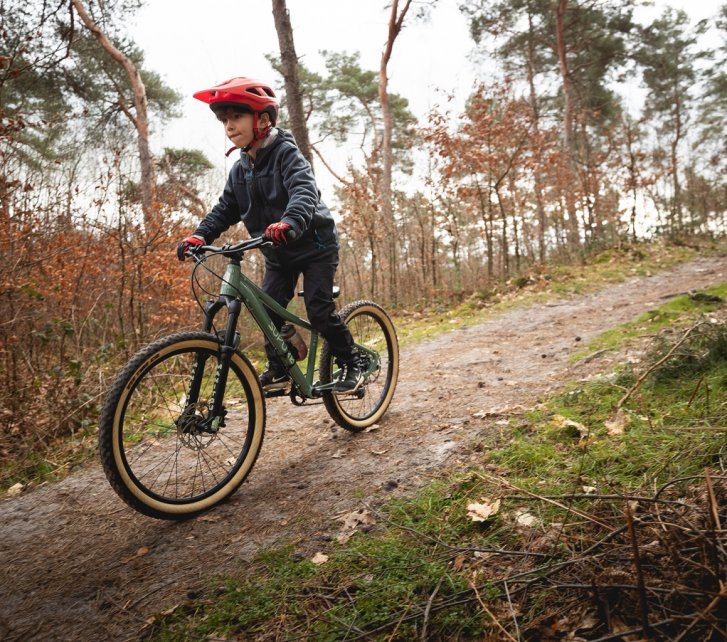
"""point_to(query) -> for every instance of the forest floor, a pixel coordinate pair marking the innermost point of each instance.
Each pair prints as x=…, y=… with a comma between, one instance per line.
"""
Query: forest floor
x=78, y=564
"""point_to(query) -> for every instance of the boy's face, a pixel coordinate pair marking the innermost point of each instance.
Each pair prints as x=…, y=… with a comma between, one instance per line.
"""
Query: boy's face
x=238, y=126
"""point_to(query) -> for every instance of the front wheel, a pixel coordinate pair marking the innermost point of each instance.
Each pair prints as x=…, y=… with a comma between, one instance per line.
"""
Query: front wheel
x=375, y=335
x=161, y=451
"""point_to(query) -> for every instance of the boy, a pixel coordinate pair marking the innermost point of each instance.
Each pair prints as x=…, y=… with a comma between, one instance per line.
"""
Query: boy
x=272, y=190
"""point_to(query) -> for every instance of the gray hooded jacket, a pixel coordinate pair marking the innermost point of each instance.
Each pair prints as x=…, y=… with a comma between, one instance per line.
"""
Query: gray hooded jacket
x=278, y=186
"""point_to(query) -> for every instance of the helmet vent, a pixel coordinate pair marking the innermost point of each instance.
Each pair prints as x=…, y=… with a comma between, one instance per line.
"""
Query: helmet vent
x=253, y=90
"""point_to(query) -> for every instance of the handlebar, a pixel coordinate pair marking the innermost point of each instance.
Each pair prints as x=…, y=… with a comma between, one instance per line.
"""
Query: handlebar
x=230, y=249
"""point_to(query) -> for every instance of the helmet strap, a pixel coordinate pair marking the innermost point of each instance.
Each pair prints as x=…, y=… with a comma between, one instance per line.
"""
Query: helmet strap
x=257, y=134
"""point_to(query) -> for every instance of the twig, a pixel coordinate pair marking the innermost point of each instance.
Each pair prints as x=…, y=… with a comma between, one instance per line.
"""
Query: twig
x=427, y=609
x=712, y=501
x=492, y=617
x=666, y=357
x=512, y=609
x=639, y=573
x=637, y=498
x=590, y=518
x=696, y=390
x=622, y=634
x=714, y=518
x=398, y=624
x=671, y=482
x=702, y=613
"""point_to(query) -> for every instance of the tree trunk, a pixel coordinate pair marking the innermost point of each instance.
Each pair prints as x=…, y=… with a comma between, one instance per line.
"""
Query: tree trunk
x=538, y=151
x=289, y=61
x=677, y=217
x=559, y=10
x=396, y=20
x=139, y=120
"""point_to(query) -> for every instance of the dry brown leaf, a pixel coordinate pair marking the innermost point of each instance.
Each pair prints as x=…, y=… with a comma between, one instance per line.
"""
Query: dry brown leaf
x=319, y=558
x=616, y=425
x=482, y=511
x=15, y=489
x=144, y=550
x=352, y=522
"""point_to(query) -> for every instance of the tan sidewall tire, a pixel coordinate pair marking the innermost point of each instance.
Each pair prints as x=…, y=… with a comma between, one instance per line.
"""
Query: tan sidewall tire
x=332, y=404
x=257, y=402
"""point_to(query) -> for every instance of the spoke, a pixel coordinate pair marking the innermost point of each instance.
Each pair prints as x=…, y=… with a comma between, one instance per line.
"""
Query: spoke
x=161, y=458
x=163, y=466
x=207, y=458
x=222, y=441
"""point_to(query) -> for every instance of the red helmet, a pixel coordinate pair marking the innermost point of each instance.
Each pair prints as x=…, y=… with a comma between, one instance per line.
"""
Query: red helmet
x=247, y=94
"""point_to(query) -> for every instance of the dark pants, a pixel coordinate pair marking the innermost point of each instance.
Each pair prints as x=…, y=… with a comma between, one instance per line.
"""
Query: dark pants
x=279, y=282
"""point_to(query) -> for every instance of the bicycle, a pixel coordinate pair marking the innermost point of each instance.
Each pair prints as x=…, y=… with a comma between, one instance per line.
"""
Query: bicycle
x=184, y=420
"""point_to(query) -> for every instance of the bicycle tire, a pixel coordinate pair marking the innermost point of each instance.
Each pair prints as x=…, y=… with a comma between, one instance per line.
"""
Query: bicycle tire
x=153, y=455
x=371, y=327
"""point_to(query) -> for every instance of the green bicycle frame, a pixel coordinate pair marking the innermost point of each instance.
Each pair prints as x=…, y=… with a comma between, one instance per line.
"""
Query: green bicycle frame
x=236, y=287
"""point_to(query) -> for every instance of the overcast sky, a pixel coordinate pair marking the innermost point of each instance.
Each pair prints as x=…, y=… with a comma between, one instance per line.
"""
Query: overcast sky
x=194, y=45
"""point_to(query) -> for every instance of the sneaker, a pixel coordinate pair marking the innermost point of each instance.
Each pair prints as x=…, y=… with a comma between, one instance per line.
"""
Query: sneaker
x=350, y=378
x=274, y=380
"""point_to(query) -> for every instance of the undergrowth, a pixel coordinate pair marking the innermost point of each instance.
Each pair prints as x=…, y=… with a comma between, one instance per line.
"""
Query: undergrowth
x=605, y=509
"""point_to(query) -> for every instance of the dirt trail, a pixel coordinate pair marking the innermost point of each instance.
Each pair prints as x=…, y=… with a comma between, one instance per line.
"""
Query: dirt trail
x=69, y=568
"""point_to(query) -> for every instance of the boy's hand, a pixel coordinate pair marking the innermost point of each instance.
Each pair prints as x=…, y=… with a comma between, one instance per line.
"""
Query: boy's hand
x=280, y=233
x=186, y=245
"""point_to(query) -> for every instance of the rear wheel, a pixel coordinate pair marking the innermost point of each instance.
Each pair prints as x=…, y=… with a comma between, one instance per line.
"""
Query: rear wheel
x=373, y=330
x=161, y=453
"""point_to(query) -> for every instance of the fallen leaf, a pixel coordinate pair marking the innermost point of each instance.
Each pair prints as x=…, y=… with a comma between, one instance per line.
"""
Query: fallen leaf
x=481, y=512
x=337, y=455
x=559, y=421
x=379, y=452
x=15, y=489
x=523, y=518
x=352, y=522
x=372, y=428
x=616, y=425
x=459, y=562
x=319, y=558
x=139, y=553
x=170, y=610
x=589, y=490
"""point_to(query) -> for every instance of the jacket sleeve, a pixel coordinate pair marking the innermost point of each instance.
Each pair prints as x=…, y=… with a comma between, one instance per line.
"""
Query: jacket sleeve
x=302, y=190
x=223, y=215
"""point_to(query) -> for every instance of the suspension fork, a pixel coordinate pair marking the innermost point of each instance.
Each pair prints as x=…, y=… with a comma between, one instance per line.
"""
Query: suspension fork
x=217, y=413
x=230, y=343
